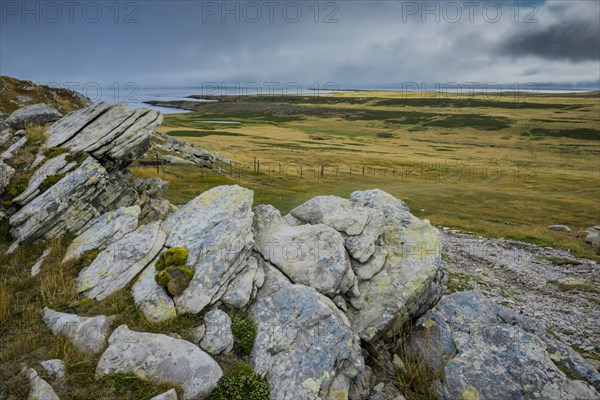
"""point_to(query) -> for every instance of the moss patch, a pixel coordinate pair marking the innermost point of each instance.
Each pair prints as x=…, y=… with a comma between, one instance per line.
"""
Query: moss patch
x=241, y=383
x=244, y=332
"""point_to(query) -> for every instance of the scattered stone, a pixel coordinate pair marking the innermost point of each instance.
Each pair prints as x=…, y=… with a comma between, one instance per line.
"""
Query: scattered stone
x=35, y=270
x=6, y=173
x=304, y=344
x=54, y=368
x=40, y=389
x=560, y=228
x=160, y=358
x=88, y=334
x=120, y=262
x=168, y=395
x=153, y=187
x=593, y=238
x=23, y=99
x=13, y=149
x=217, y=337
x=38, y=114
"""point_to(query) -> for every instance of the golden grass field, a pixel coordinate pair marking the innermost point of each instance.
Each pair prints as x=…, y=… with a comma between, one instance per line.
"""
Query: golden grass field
x=501, y=167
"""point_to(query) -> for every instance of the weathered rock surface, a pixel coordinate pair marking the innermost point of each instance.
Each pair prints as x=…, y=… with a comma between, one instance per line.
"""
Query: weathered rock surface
x=120, y=262
x=244, y=286
x=217, y=337
x=177, y=151
x=55, y=368
x=71, y=203
x=38, y=114
x=560, y=228
x=160, y=358
x=37, y=267
x=411, y=279
x=104, y=230
x=50, y=167
x=487, y=351
x=6, y=173
x=151, y=298
x=14, y=148
x=87, y=333
x=216, y=229
x=40, y=389
x=304, y=345
x=115, y=133
x=313, y=255
x=168, y=395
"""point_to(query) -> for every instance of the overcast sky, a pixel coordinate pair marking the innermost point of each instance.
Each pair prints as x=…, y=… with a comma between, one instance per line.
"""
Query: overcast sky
x=351, y=43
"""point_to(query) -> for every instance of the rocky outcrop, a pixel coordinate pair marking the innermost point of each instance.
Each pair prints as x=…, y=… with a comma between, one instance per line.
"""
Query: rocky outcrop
x=242, y=289
x=38, y=114
x=304, y=346
x=216, y=230
x=6, y=173
x=88, y=334
x=120, y=262
x=466, y=333
x=160, y=358
x=171, y=150
x=113, y=133
x=104, y=230
x=55, y=166
x=311, y=255
x=152, y=299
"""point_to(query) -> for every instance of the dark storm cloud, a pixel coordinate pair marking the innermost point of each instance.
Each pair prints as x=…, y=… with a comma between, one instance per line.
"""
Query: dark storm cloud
x=349, y=42
x=574, y=36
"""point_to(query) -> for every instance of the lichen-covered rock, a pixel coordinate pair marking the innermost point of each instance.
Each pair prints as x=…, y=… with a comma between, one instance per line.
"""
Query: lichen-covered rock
x=55, y=369
x=50, y=167
x=14, y=148
x=217, y=337
x=153, y=187
x=243, y=287
x=6, y=173
x=168, y=395
x=216, y=229
x=313, y=255
x=151, y=298
x=104, y=230
x=411, y=279
x=40, y=389
x=120, y=262
x=154, y=209
x=37, y=267
x=38, y=114
x=304, y=344
x=88, y=334
x=71, y=203
x=160, y=358
x=486, y=351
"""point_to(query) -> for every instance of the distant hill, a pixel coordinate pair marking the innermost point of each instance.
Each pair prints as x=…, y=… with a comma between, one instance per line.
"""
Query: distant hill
x=15, y=93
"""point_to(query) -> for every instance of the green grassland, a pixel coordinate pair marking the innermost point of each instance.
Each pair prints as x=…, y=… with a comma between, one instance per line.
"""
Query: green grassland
x=506, y=166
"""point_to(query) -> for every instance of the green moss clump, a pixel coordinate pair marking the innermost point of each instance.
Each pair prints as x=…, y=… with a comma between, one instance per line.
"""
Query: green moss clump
x=17, y=187
x=241, y=383
x=50, y=181
x=244, y=332
x=162, y=277
x=78, y=157
x=86, y=259
x=54, y=152
x=174, y=257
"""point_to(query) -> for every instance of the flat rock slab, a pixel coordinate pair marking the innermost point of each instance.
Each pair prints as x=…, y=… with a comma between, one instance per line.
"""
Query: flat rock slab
x=38, y=114
x=160, y=358
x=88, y=334
x=304, y=345
x=216, y=229
x=120, y=262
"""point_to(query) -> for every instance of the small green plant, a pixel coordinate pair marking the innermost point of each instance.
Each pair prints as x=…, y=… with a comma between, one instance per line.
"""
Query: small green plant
x=54, y=152
x=78, y=157
x=241, y=383
x=86, y=259
x=172, y=272
x=17, y=187
x=244, y=332
x=50, y=181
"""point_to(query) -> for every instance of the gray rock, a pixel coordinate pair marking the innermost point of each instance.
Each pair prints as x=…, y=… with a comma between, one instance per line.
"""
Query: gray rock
x=160, y=358
x=6, y=173
x=154, y=209
x=50, y=167
x=560, y=228
x=593, y=238
x=54, y=368
x=37, y=267
x=103, y=231
x=120, y=262
x=63, y=130
x=372, y=266
x=13, y=149
x=38, y=114
x=40, y=389
x=88, y=334
x=241, y=289
x=466, y=333
x=217, y=336
x=71, y=203
x=5, y=136
x=175, y=160
x=168, y=395
x=153, y=187
x=304, y=344
x=216, y=229
x=313, y=255
x=411, y=279
x=360, y=386
x=151, y=298
x=24, y=99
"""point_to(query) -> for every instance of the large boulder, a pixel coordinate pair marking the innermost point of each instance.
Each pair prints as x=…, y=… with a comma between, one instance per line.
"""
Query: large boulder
x=160, y=358
x=104, y=230
x=88, y=334
x=304, y=344
x=38, y=114
x=485, y=351
x=71, y=203
x=113, y=133
x=120, y=262
x=216, y=230
x=312, y=255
